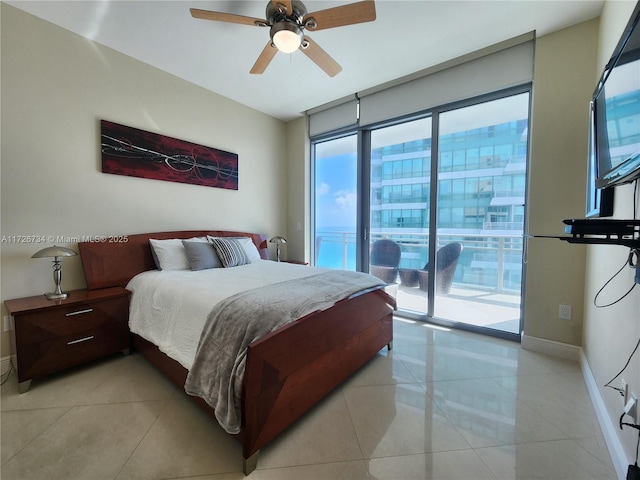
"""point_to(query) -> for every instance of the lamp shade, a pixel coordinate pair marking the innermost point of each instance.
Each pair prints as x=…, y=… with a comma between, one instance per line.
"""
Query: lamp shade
x=54, y=251
x=278, y=240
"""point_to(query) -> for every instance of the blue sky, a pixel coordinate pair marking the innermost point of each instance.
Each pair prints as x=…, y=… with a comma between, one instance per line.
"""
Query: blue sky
x=336, y=198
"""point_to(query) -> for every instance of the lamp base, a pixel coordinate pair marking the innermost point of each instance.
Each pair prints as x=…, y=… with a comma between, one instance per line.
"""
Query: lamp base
x=56, y=296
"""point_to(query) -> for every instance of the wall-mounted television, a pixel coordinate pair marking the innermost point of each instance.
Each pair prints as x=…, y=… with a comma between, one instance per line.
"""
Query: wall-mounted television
x=599, y=200
x=615, y=115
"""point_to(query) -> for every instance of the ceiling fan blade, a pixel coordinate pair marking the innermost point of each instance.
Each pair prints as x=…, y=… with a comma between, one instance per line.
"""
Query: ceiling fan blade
x=359, y=12
x=321, y=58
x=264, y=59
x=226, y=17
x=285, y=3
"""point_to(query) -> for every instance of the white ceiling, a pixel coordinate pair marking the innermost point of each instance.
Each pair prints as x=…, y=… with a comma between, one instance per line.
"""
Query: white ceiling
x=407, y=36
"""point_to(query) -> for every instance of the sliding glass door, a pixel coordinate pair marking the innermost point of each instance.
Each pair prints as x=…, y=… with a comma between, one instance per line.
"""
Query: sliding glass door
x=443, y=204
x=482, y=153
x=335, y=202
x=400, y=207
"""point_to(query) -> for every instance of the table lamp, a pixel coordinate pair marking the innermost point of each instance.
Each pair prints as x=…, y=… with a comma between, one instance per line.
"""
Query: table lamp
x=55, y=252
x=278, y=241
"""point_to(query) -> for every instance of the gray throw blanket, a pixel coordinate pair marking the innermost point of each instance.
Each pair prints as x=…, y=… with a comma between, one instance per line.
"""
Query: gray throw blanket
x=218, y=369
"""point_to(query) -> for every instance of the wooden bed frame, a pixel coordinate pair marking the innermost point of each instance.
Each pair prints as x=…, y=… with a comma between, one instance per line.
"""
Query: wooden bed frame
x=287, y=371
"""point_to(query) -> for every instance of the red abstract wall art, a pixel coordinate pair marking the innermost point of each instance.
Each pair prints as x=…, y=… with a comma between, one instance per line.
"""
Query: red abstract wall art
x=136, y=153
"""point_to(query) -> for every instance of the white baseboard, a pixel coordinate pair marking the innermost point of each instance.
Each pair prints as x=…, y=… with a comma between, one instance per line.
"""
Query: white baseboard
x=549, y=347
x=609, y=430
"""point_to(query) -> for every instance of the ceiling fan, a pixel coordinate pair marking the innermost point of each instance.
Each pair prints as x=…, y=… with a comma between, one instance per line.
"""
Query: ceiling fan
x=288, y=19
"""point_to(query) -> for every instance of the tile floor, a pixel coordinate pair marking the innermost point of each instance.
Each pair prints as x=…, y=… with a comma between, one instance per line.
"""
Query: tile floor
x=498, y=311
x=441, y=405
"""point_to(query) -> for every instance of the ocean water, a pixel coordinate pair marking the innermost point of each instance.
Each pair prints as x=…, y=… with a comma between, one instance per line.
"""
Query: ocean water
x=337, y=248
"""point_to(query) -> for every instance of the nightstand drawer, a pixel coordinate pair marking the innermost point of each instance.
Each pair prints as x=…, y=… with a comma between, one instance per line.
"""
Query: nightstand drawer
x=71, y=320
x=42, y=358
x=49, y=336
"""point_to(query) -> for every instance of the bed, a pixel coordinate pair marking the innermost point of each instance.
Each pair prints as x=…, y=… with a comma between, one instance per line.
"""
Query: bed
x=285, y=371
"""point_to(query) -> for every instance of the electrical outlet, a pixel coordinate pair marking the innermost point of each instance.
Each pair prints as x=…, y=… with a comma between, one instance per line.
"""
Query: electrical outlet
x=624, y=386
x=564, y=312
x=7, y=323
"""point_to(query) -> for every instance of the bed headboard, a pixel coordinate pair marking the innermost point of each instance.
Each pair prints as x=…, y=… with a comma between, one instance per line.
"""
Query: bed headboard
x=116, y=260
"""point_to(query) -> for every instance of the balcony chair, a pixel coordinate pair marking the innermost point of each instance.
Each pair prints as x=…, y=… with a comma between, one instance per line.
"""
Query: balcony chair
x=385, y=258
x=446, y=261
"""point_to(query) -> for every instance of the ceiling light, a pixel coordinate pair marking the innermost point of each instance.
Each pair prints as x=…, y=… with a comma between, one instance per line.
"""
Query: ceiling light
x=286, y=36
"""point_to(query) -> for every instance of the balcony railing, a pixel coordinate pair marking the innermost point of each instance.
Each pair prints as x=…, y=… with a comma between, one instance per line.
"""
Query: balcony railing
x=488, y=262
x=502, y=225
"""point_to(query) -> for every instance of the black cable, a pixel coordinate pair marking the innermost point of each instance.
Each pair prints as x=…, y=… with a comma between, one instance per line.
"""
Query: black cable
x=595, y=299
x=625, y=424
x=608, y=384
x=633, y=469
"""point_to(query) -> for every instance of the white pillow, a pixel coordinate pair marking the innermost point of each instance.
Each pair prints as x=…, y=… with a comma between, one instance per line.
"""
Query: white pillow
x=170, y=254
x=248, y=246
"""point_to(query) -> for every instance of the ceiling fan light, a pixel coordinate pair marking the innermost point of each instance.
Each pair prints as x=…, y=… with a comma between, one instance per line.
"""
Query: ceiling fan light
x=286, y=36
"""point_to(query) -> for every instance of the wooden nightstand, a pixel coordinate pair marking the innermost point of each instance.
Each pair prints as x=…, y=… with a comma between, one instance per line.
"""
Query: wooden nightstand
x=51, y=335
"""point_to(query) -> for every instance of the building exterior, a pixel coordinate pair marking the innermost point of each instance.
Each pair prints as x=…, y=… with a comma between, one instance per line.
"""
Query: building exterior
x=480, y=200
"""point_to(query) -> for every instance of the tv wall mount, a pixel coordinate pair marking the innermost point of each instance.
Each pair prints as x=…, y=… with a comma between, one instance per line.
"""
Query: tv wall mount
x=600, y=231
x=603, y=231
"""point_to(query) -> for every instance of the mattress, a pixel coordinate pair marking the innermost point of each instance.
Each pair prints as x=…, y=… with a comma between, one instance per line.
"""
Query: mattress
x=170, y=308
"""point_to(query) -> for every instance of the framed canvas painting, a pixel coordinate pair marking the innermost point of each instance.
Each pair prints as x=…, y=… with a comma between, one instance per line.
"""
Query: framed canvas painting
x=137, y=153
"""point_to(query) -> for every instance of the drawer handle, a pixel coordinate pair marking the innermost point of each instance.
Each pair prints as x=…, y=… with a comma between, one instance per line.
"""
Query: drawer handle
x=79, y=312
x=80, y=340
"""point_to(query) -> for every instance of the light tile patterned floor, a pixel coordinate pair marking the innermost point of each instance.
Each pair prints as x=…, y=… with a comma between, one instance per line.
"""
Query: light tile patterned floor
x=441, y=405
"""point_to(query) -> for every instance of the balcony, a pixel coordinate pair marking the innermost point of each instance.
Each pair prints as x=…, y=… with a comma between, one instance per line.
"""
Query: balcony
x=487, y=284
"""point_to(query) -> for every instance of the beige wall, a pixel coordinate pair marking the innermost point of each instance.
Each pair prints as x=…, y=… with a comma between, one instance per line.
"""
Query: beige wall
x=299, y=186
x=611, y=333
x=56, y=86
x=563, y=85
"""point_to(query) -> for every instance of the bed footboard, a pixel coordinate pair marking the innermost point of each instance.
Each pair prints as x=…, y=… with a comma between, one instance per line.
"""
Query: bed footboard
x=291, y=369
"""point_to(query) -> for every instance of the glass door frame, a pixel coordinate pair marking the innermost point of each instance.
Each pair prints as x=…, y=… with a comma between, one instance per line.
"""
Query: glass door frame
x=363, y=228
x=364, y=201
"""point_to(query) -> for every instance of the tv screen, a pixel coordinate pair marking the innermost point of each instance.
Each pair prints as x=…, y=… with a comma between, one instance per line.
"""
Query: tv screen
x=616, y=112
x=599, y=200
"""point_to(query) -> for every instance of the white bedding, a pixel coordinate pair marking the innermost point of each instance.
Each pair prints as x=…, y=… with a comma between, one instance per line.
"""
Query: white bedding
x=170, y=308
